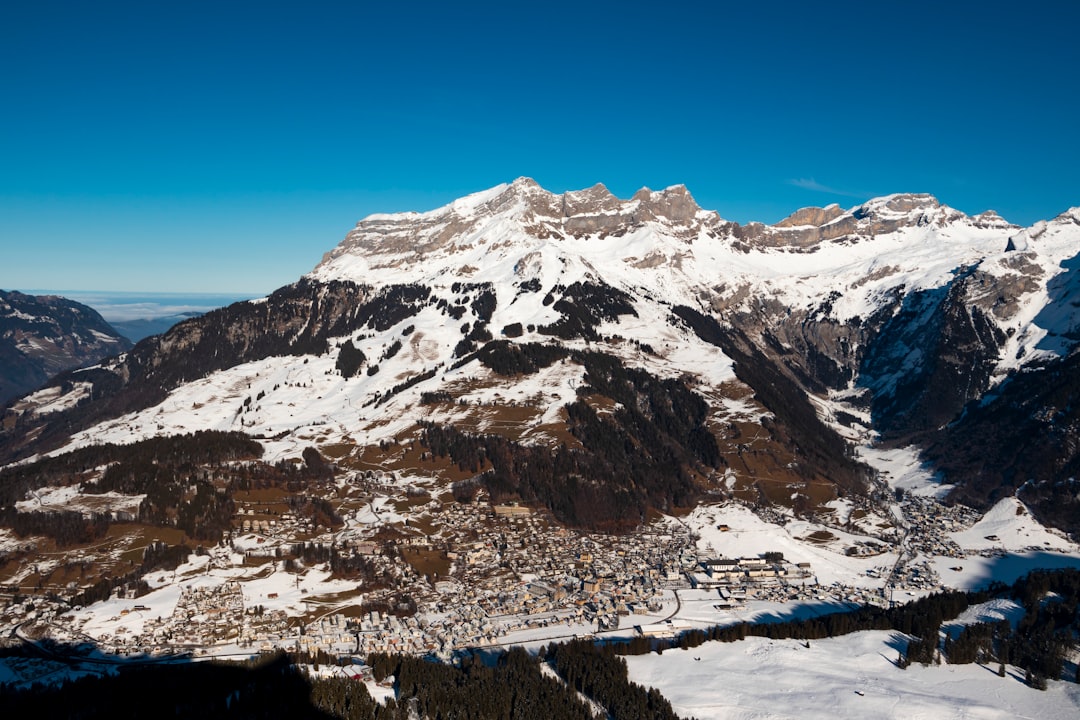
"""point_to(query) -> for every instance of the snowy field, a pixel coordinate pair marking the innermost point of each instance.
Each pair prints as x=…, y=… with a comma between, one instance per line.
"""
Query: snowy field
x=854, y=676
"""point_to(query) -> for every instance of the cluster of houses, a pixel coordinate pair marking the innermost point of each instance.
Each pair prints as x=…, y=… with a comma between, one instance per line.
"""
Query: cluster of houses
x=477, y=573
x=929, y=523
x=916, y=576
x=768, y=568
x=203, y=616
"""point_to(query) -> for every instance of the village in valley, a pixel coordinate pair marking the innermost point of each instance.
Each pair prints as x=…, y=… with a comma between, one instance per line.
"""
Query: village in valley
x=412, y=569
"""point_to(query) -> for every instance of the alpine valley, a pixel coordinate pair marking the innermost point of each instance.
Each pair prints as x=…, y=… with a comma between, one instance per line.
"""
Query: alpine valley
x=41, y=336
x=526, y=416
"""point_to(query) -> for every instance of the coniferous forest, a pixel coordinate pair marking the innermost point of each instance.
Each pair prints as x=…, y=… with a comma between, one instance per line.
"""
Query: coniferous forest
x=644, y=456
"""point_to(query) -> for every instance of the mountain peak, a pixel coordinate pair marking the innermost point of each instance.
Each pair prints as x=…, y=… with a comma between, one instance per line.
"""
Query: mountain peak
x=591, y=200
x=897, y=204
x=990, y=219
x=673, y=203
x=813, y=216
x=525, y=182
x=1071, y=215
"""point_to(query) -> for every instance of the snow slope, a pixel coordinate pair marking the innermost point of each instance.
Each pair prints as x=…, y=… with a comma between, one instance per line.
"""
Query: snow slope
x=854, y=676
x=524, y=243
x=688, y=255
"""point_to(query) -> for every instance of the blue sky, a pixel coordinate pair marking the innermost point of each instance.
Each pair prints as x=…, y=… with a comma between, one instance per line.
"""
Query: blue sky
x=223, y=147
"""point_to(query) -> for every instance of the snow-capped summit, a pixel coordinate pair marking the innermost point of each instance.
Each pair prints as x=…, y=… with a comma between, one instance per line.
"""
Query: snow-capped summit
x=663, y=243
x=896, y=318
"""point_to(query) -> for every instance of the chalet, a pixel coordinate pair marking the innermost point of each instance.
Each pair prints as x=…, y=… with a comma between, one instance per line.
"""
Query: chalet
x=512, y=511
x=720, y=566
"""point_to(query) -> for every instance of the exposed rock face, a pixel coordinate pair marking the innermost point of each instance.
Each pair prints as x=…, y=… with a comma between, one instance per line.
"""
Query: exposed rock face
x=893, y=318
x=931, y=358
x=41, y=336
x=674, y=204
x=1025, y=439
x=813, y=216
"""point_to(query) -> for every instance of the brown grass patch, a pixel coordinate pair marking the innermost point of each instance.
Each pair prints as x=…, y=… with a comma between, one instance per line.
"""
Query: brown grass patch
x=334, y=598
x=337, y=451
x=143, y=534
x=426, y=525
x=429, y=563
x=736, y=390
x=410, y=502
x=600, y=403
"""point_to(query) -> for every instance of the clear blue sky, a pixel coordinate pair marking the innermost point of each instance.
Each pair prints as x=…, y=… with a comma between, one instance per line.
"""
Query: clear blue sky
x=224, y=146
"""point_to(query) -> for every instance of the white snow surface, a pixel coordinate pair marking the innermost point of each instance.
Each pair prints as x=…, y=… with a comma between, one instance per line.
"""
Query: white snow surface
x=1009, y=526
x=854, y=676
x=747, y=535
x=661, y=249
x=520, y=231
x=901, y=468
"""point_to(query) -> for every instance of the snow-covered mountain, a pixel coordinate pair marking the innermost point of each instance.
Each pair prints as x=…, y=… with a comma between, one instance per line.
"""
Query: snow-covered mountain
x=41, y=336
x=642, y=333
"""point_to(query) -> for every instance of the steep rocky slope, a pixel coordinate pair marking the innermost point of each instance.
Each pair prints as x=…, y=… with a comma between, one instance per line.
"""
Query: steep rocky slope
x=523, y=324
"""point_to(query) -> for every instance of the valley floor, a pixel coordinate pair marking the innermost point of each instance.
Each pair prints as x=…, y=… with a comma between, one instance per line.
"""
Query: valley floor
x=485, y=577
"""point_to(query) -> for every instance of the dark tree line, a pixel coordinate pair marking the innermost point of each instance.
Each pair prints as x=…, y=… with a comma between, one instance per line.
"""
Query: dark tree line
x=920, y=618
x=979, y=642
x=202, y=447
x=320, y=511
x=316, y=466
x=350, y=359
x=343, y=563
x=584, y=306
x=483, y=305
x=599, y=673
x=405, y=385
x=581, y=489
x=1048, y=632
x=509, y=359
x=472, y=335
x=514, y=689
x=66, y=527
x=643, y=455
x=268, y=688
x=205, y=514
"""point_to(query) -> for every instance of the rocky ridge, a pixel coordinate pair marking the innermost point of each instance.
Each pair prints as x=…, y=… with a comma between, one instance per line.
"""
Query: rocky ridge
x=887, y=320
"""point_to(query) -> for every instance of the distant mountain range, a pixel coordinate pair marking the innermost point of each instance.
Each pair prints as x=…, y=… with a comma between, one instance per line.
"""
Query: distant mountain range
x=606, y=357
x=139, y=328
x=41, y=336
